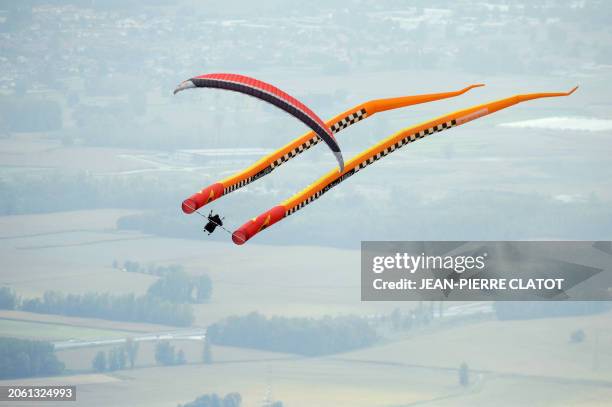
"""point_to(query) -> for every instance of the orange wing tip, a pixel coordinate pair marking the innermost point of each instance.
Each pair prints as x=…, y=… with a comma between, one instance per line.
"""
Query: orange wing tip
x=572, y=91
x=476, y=85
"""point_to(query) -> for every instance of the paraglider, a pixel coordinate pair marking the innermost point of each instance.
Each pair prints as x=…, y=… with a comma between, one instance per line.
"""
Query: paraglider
x=272, y=161
x=360, y=112
x=271, y=94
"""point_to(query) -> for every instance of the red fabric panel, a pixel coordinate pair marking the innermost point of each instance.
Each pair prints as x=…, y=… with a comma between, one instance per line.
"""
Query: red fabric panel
x=199, y=199
x=254, y=226
x=266, y=87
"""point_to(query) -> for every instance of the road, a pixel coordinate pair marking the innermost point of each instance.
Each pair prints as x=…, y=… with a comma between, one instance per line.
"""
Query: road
x=193, y=334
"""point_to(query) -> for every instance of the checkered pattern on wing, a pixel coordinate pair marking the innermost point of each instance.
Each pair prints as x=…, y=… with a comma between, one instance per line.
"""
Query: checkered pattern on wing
x=305, y=202
x=388, y=150
x=336, y=127
x=297, y=150
x=237, y=185
x=406, y=140
x=348, y=120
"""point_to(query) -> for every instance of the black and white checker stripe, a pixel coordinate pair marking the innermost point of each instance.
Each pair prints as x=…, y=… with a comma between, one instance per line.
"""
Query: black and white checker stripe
x=406, y=140
x=237, y=185
x=318, y=194
x=298, y=150
x=304, y=203
x=400, y=143
x=349, y=120
x=335, y=128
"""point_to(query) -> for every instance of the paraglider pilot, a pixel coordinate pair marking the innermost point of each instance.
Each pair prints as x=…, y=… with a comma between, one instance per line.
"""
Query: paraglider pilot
x=213, y=222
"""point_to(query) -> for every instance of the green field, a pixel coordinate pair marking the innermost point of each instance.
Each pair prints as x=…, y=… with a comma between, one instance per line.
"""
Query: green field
x=538, y=347
x=54, y=332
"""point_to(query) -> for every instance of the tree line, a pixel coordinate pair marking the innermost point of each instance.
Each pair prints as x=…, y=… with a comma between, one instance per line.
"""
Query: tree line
x=126, y=307
x=116, y=358
x=505, y=310
x=304, y=336
x=180, y=287
x=29, y=114
x=8, y=298
x=167, y=301
x=131, y=266
x=27, y=358
x=215, y=400
x=167, y=355
x=124, y=356
x=61, y=189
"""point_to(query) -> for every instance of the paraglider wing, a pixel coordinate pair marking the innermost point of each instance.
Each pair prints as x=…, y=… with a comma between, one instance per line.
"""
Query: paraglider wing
x=296, y=147
x=375, y=153
x=271, y=94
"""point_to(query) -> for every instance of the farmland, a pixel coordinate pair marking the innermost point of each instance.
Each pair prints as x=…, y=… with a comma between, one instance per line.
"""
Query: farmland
x=535, y=355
